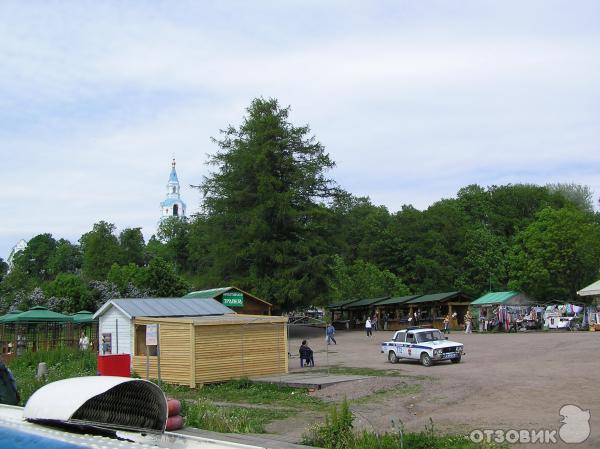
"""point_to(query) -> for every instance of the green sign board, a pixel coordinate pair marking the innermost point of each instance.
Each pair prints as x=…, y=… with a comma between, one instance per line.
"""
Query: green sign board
x=233, y=299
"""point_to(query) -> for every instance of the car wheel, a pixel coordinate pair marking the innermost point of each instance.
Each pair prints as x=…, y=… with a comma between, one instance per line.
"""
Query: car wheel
x=456, y=360
x=392, y=357
x=426, y=360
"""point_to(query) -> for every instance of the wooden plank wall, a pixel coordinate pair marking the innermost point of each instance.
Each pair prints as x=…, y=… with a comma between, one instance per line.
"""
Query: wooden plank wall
x=176, y=352
x=231, y=351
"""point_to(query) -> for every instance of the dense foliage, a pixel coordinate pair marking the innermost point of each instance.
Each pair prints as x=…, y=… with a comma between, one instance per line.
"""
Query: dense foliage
x=274, y=224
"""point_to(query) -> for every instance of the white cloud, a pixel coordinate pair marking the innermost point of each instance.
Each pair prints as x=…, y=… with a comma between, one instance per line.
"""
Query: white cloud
x=412, y=101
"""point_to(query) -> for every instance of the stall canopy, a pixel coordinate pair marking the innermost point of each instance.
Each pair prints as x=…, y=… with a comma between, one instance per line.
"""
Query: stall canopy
x=83, y=317
x=38, y=314
x=396, y=300
x=342, y=304
x=8, y=317
x=365, y=302
x=511, y=298
x=437, y=297
x=590, y=290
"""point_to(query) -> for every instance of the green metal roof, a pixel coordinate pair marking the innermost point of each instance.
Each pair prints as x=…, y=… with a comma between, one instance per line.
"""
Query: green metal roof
x=434, y=297
x=83, y=317
x=513, y=297
x=341, y=304
x=366, y=302
x=212, y=293
x=397, y=300
x=590, y=290
x=38, y=314
x=6, y=318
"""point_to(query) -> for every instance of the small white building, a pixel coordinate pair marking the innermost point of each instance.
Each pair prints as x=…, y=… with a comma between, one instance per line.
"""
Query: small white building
x=115, y=317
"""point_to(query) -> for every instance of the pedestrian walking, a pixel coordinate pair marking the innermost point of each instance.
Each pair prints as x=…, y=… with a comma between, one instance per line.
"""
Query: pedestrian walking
x=369, y=327
x=330, y=332
x=468, y=322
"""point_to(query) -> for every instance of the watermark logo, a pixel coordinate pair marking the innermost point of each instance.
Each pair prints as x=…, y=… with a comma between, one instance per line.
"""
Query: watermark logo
x=574, y=428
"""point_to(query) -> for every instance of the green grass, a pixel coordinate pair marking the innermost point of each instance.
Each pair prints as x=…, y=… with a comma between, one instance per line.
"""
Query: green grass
x=403, y=389
x=207, y=416
x=244, y=391
x=62, y=364
x=338, y=433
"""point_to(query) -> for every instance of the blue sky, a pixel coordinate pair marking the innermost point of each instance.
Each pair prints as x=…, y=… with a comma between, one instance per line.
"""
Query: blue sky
x=413, y=100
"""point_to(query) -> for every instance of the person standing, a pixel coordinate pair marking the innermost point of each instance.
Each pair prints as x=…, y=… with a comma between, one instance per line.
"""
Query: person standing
x=447, y=324
x=369, y=327
x=84, y=342
x=330, y=332
x=468, y=322
x=374, y=322
x=386, y=317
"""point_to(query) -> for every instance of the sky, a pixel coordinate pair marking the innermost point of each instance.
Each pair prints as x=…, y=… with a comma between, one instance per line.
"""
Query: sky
x=412, y=99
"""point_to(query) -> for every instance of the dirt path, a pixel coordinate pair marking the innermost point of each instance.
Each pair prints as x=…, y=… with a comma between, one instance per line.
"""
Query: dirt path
x=506, y=381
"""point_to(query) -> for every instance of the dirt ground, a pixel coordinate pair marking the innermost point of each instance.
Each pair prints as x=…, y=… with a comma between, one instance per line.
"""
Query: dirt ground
x=505, y=381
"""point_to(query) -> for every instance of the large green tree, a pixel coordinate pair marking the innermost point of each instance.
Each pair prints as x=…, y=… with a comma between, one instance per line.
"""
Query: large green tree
x=133, y=247
x=556, y=255
x=34, y=259
x=100, y=248
x=362, y=279
x=264, y=203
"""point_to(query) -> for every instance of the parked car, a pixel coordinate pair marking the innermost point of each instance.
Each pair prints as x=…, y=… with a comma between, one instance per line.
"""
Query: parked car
x=426, y=345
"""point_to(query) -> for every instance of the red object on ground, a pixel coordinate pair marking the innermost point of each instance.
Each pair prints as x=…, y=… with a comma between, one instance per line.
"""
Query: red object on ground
x=114, y=365
x=174, y=407
x=174, y=422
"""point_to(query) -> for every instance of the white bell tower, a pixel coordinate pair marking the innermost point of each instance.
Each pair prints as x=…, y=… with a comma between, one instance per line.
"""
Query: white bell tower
x=172, y=206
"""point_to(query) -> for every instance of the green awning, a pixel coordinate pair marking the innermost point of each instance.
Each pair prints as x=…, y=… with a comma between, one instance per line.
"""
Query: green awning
x=342, y=304
x=83, y=317
x=366, y=302
x=9, y=316
x=590, y=290
x=437, y=297
x=511, y=298
x=39, y=314
x=397, y=300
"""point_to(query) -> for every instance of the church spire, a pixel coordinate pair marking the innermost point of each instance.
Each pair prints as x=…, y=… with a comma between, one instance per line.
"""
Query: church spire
x=172, y=206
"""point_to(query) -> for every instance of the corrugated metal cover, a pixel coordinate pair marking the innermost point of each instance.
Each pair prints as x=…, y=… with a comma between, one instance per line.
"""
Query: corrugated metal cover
x=397, y=300
x=366, y=302
x=434, y=297
x=494, y=298
x=590, y=290
x=157, y=307
x=213, y=292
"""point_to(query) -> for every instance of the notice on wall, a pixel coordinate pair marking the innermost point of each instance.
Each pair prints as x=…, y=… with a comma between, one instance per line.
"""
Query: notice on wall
x=233, y=299
x=151, y=334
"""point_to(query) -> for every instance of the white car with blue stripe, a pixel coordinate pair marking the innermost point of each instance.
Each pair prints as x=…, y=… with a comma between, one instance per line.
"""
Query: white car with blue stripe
x=426, y=345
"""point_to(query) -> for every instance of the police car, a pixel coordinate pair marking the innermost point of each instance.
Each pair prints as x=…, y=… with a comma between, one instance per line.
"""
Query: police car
x=426, y=345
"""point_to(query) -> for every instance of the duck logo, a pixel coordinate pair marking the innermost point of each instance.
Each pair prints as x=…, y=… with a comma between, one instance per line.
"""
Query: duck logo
x=575, y=426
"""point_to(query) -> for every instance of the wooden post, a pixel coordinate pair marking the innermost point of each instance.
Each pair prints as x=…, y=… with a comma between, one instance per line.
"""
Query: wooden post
x=192, y=355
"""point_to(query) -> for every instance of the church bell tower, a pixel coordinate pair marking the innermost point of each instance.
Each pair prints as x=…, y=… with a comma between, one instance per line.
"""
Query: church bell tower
x=172, y=206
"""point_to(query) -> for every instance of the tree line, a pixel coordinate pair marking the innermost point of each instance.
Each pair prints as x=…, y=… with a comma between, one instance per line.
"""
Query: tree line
x=273, y=223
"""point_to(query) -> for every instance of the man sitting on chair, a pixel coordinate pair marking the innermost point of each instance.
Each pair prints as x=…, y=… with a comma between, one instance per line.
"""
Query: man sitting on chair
x=306, y=355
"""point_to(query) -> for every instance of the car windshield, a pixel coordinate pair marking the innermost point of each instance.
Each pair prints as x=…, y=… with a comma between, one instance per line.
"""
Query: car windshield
x=429, y=336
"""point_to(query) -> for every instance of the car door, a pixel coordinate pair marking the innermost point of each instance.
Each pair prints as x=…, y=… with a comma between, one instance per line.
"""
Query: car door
x=410, y=351
x=399, y=343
